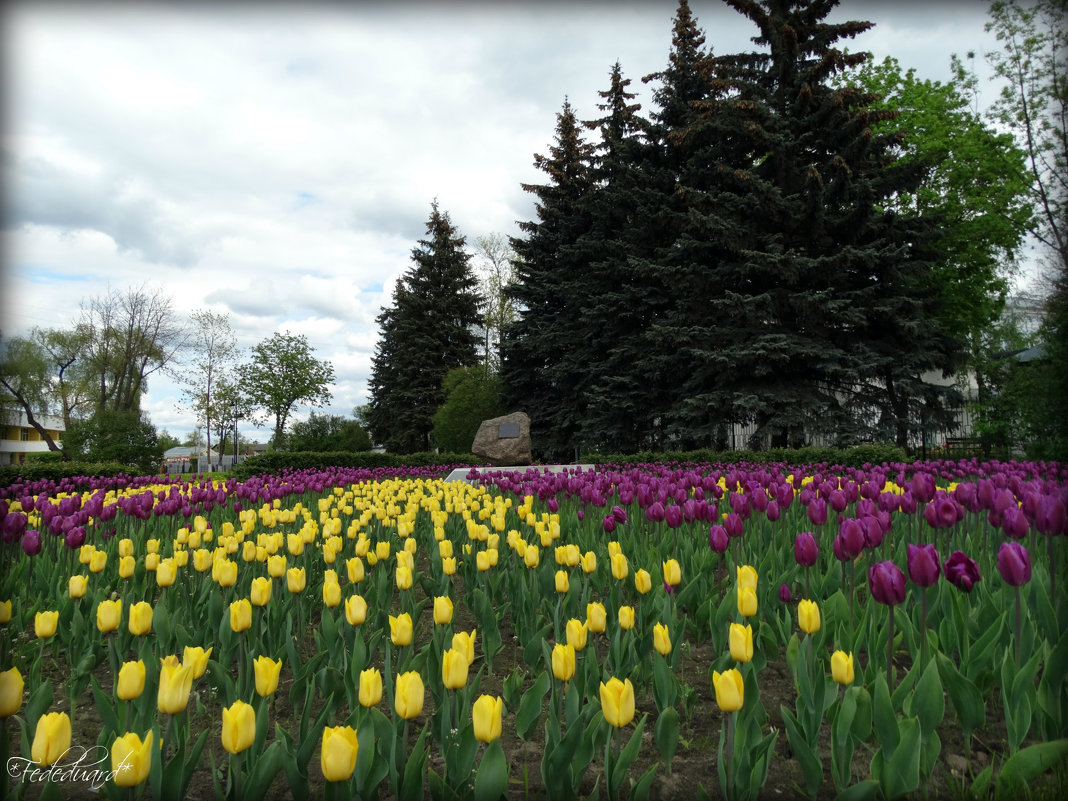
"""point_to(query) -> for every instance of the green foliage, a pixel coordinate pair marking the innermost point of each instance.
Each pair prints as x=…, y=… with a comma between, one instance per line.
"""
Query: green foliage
x=857, y=456
x=472, y=394
x=428, y=330
x=57, y=471
x=278, y=461
x=322, y=432
x=124, y=437
x=282, y=373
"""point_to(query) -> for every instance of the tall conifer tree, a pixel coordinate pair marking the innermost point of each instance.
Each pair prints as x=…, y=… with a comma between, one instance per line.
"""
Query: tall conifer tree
x=429, y=329
x=538, y=377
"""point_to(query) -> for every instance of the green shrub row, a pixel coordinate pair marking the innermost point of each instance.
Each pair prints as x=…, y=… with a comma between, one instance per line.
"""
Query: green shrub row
x=856, y=456
x=277, y=461
x=34, y=470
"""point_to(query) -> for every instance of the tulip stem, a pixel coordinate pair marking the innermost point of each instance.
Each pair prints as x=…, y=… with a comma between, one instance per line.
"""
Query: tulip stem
x=923, y=626
x=607, y=762
x=1019, y=627
x=731, y=719
x=890, y=650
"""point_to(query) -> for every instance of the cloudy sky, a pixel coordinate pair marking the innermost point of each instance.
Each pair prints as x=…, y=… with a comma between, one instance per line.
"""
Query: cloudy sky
x=277, y=162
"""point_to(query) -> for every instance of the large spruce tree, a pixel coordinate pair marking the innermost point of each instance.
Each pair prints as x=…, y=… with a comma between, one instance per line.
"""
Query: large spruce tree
x=535, y=369
x=428, y=331
x=801, y=294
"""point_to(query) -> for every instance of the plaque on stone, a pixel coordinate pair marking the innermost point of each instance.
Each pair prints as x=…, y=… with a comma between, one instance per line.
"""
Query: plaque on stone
x=508, y=431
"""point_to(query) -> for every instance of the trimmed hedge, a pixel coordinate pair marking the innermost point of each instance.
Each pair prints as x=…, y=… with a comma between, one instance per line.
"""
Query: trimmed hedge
x=856, y=456
x=277, y=461
x=45, y=470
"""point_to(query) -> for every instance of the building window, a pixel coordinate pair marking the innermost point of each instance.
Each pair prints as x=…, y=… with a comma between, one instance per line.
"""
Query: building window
x=25, y=435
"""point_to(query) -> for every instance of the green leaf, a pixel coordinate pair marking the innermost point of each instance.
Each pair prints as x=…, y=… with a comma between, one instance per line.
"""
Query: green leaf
x=627, y=755
x=531, y=705
x=867, y=790
x=666, y=734
x=885, y=720
x=491, y=780
x=665, y=688
x=411, y=788
x=106, y=707
x=267, y=766
x=963, y=694
x=901, y=774
x=640, y=790
x=981, y=785
x=928, y=703
x=806, y=753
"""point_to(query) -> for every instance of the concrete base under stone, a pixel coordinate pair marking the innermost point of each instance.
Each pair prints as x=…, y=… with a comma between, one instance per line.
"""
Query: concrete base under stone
x=460, y=473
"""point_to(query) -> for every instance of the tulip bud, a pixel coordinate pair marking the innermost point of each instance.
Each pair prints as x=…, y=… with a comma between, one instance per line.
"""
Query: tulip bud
x=842, y=667
x=961, y=571
x=108, y=615
x=126, y=546
x=331, y=594
x=276, y=565
x=51, y=739
x=486, y=715
x=409, y=695
x=131, y=681
x=197, y=659
x=5, y=612
x=808, y=616
x=747, y=602
x=11, y=687
x=448, y=565
x=98, y=562
x=740, y=639
x=747, y=577
x=400, y=629
x=260, y=592
x=238, y=727
x=454, y=669
x=661, y=639
x=576, y=633
x=339, y=749
x=588, y=561
x=443, y=609
x=562, y=582
x=672, y=572
x=140, y=618
x=923, y=564
x=1014, y=564
x=596, y=617
x=887, y=583
x=296, y=579
x=617, y=702
x=784, y=593
x=730, y=689
x=464, y=642
x=45, y=624
x=806, y=551
x=643, y=582
x=241, y=615
x=166, y=572
x=77, y=586
x=355, y=610
x=370, y=687
x=718, y=540
x=626, y=617
x=563, y=658
x=131, y=759
x=267, y=671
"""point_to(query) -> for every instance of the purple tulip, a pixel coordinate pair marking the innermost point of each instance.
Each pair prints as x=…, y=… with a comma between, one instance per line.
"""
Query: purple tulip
x=873, y=531
x=718, y=540
x=784, y=594
x=1014, y=523
x=838, y=546
x=887, y=583
x=806, y=551
x=655, y=513
x=579, y=514
x=619, y=514
x=852, y=533
x=838, y=500
x=740, y=505
x=784, y=494
x=609, y=524
x=1051, y=515
x=817, y=512
x=1014, y=564
x=961, y=571
x=673, y=515
x=31, y=542
x=734, y=525
x=923, y=564
x=554, y=505
x=923, y=487
x=772, y=511
x=75, y=537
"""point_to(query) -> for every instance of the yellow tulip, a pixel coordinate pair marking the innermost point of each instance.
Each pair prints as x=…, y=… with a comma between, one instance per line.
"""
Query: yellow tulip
x=338, y=753
x=45, y=624
x=85, y=553
x=276, y=566
x=355, y=610
x=248, y=551
x=576, y=633
x=486, y=714
x=355, y=569
x=77, y=586
x=626, y=617
x=97, y=565
x=747, y=602
x=405, y=559
x=562, y=582
x=202, y=560
x=127, y=566
x=5, y=611
x=564, y=661
x=241, y=615
x=617, y=702
x=741, y=642
x=224, y=572
x=662, y=639
x=454, y=669
x=588, y=562
x=442, y=610
x=614, y=548
x=175, y=682
x=295, y=544
x=131, y=759
x=11, y=687
x=370, y=687
x=131, y=681
x=482, y=561
x=267, y=671
x=445, y=548
x=238, y=727
x=51, y=739
x=372, y=558
x=108, y=615
x=126, y=547
x=808, y=616
x=730, y=690
x=596, y=617
x=260, y=593
x=181, y=558
x=400, y=629
x=382, y=550
x=531, y=556
x=141, y=618
x=296, y=579
x=448, y=565
x=166, y=573
x=465, y=643
x=331, y=594
x=747, y=577
x=842, y=667
x=151, y=562
x=410, y=695
x=620, y=566
x=672, y=572
x=643, y=582
x=404, y=578
x=197, y=659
